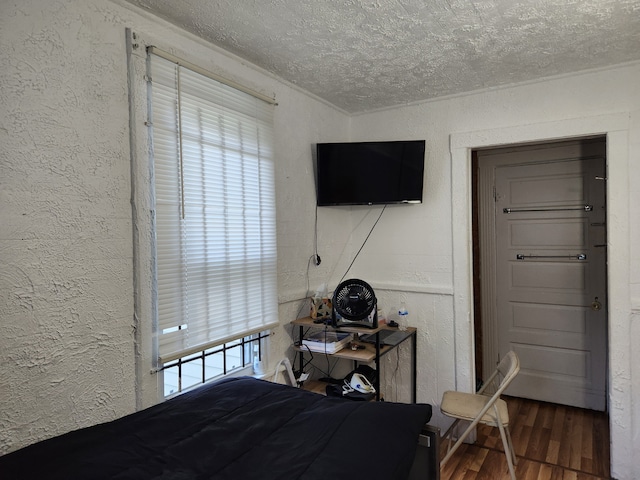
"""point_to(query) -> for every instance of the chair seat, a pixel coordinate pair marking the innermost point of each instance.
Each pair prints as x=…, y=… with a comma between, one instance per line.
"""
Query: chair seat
x=466, y=406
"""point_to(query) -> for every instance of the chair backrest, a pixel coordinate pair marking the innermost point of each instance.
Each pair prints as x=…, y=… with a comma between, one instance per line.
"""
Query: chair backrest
x=508, y=367
x=504, y=373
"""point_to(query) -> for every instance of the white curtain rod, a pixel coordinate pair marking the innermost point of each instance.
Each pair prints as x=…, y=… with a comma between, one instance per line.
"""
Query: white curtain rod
x=211, y=75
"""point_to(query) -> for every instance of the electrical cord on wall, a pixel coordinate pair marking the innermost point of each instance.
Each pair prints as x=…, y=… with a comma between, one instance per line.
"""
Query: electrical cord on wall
x=395, y=374
x=363, y=244
x=316, y=258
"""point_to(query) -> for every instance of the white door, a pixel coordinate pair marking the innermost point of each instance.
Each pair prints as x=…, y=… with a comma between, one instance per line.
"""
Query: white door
x=550, y=271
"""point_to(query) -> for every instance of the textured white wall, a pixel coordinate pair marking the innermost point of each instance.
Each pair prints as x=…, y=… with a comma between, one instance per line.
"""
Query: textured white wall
x=67, y=353
x=437, y=233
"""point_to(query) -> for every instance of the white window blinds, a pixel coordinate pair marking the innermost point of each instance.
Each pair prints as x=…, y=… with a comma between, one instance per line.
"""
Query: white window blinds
x=215, y=211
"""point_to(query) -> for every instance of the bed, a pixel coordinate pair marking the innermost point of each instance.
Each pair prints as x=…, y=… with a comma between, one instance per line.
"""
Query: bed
x=237, y=428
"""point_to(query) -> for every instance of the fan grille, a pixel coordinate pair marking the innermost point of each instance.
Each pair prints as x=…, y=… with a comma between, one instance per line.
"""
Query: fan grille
x=354, y=299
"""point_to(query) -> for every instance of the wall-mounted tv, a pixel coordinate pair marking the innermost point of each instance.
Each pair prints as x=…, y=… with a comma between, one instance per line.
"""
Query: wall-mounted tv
x=370, y=173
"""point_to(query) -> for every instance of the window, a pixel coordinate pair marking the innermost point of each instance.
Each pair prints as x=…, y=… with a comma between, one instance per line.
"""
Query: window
x=214, y=214
x=212, y=363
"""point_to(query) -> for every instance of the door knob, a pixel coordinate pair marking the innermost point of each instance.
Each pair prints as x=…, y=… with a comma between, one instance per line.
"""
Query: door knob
x=596, y=305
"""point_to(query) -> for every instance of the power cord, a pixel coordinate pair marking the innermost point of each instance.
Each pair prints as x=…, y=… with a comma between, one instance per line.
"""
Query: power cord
x=363, y=244
x=316, y=258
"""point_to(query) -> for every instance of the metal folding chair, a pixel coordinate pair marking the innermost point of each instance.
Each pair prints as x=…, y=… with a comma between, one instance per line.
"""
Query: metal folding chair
x=480, y=407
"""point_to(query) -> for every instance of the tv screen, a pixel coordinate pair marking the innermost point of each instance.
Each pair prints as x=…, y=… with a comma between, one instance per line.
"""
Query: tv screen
x=370, y=173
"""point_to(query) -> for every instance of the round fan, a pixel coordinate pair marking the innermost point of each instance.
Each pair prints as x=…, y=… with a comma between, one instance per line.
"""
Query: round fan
x=354, y=300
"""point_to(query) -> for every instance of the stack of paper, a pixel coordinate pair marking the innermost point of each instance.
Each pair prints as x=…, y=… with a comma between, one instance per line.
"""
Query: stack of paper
x=326, y=342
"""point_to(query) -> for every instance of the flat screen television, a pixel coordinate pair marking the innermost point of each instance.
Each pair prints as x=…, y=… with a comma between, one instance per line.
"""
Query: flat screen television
x=370, y=173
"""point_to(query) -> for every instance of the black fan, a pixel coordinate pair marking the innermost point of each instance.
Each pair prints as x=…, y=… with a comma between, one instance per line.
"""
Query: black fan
x=354, y=304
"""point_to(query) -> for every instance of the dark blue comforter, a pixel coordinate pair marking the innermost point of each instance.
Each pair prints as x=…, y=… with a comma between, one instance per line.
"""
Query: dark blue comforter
x=240, y=429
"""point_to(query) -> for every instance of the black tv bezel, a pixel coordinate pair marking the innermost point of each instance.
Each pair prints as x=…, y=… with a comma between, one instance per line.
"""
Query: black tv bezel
x=359, y=201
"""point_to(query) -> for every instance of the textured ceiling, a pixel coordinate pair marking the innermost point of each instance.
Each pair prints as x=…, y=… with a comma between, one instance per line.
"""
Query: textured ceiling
x=367, y=54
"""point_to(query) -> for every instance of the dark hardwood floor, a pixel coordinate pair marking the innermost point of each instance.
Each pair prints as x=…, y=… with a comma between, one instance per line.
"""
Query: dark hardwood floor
x=552, y=442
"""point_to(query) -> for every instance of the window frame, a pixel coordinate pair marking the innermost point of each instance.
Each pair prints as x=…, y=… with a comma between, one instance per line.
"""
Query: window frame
x=248, y=337
x=244, y=344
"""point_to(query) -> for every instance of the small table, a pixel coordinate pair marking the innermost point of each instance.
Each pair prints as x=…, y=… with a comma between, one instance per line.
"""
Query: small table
x=371, y=352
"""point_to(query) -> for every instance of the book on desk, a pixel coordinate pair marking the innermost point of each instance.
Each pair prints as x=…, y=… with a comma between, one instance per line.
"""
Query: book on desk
x=326, y=342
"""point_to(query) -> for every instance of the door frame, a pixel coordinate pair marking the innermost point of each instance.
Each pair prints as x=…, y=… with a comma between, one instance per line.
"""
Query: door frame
x=486, y=325
x=616, y=129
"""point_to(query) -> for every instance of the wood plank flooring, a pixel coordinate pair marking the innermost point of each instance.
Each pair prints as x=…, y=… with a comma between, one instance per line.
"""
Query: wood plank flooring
x=552, y=442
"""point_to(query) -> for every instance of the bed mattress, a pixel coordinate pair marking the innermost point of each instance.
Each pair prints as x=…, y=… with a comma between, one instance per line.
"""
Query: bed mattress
x=237, y=428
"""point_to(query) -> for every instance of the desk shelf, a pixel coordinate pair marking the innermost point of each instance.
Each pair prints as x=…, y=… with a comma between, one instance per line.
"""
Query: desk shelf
x=370, y=353
x=366, y=355
x=310, y=322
